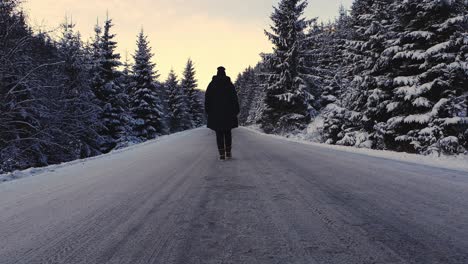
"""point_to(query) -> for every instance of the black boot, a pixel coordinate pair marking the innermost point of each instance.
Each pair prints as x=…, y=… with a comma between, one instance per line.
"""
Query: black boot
x=228, y=153
x=222, y=154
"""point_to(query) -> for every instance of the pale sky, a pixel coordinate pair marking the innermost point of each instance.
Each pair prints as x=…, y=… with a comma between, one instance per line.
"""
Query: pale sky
x=211, y=32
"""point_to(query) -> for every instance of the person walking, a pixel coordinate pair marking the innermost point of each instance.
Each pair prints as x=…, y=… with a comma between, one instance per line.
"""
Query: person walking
x=222, y=108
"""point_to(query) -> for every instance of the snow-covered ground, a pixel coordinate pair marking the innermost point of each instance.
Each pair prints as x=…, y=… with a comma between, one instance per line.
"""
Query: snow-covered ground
x=37, y=171
x=310, y=137
x=174, y=202
x=448, y=162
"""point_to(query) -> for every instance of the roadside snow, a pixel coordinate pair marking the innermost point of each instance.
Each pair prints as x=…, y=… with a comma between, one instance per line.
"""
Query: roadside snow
x=459, y=162
x=37, y=171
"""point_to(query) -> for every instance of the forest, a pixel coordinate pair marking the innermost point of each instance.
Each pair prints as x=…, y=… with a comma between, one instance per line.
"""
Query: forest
x=66, y=99
x=386, y=75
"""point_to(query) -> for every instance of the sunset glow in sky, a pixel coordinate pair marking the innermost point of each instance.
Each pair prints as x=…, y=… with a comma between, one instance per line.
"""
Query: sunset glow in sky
x=211, y=32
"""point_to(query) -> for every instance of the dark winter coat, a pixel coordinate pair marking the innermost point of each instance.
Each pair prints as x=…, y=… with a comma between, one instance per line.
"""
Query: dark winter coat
x=221, y=104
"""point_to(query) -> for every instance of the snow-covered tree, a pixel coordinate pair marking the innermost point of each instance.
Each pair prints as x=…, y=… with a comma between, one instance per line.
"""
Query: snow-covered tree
x=145, y=102
x=125, y=79
x=251, y=85
x=105, y=86
x=324, y=60
x=177, y=104
x=18, y=110
x=79, y=112
x=430, y=78
x=288, y=97
x=61, y=100
x=244, y=83
x=189, y=86
x=409, y=91
x=250, y=90
x=333, y=39
x=125, y=82
x=374, y=33
x=363, y=104
x=47, y=112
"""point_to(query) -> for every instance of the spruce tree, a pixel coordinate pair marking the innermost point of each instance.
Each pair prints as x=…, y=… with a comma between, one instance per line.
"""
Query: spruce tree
x=373, y=82
x=106, y=88
x=288, y=97
x=189, y=86
x=18, y=111
x=242, y=91
x=327, y=59
x=251, y=85
x=145, y=102
x=47, y=113
x=94, y=52
x=333, y=39
x=430, y=80
x=78, y=113
x=125, y=82
x=324, y=62
x=177, y=105
x=247, y=85
x=354, y=122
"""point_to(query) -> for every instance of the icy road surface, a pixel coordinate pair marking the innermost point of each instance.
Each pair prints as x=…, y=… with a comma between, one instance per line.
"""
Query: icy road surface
x=172, y=201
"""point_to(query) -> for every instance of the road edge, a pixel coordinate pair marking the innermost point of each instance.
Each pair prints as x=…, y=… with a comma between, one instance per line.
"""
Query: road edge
x=459, y=163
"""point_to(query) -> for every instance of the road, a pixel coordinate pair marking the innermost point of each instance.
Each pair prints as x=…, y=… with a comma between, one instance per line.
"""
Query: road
x=172, y=201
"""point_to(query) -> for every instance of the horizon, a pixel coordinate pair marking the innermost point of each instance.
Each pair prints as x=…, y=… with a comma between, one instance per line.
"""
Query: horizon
x=227, y=34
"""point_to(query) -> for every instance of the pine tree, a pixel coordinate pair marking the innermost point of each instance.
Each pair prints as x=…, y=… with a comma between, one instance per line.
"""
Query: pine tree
x=79, y=113
x=251, y=85
x=324, y=62
x=287, y=96
x=126, y=75
x=125, y=82
x=189, y=86
x=430, y=80
x=47, y=115
x=354, y=121
x=112, y=99
x=333, y=39
x=94, y=52
x=372, y=82
x=247, y=84
x=328, y=61
x=177, y=105
x=242, y=91
x=260, y=85
x=18, y=111
x=145, y=103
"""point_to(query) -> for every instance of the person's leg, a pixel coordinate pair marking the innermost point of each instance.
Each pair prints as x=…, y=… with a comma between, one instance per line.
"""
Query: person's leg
x=221, y=145
x=228, y=142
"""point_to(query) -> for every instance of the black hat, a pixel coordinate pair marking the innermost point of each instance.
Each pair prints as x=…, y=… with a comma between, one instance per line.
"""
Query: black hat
x=221, y=71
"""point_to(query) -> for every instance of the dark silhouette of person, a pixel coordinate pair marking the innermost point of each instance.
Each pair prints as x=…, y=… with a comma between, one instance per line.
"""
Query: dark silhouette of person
x=222, y=108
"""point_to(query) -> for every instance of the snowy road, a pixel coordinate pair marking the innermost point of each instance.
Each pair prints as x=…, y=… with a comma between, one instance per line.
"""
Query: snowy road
x=171, y=201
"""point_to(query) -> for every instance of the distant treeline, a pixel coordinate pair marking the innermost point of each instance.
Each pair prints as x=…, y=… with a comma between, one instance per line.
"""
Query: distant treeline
x=389, y=74
x=65, y=99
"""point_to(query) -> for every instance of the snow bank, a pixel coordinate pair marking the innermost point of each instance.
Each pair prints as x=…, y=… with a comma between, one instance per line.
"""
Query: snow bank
x=459, y=162
x=37, y=171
